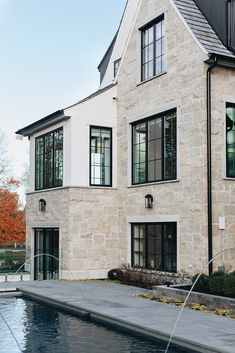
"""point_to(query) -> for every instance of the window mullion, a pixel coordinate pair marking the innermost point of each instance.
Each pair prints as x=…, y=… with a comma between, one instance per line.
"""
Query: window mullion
x=162, y=247
x=163, y=149
x=146, y=155
x=154, y=50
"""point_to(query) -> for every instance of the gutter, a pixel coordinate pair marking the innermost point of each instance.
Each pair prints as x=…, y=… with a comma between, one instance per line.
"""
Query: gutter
x=209, y=167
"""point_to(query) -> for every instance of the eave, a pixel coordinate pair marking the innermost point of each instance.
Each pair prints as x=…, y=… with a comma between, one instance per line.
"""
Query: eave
x=48, y=121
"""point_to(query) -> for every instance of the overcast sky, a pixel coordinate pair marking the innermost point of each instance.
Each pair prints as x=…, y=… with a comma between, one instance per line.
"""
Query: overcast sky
x=49, y=53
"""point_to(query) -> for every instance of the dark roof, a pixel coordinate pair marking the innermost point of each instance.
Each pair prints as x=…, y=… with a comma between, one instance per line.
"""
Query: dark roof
x=102, y=67
x=202, y=30
x=43, y=123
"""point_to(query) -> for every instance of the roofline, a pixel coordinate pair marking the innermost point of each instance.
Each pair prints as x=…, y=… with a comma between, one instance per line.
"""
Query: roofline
x=221, y=60
x=43, y=123
x=93, y=95
x=115, y=37
x=188, y=27
x=107, y=51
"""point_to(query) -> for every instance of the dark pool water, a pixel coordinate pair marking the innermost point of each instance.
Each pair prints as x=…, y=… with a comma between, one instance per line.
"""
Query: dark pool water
x=40, y=328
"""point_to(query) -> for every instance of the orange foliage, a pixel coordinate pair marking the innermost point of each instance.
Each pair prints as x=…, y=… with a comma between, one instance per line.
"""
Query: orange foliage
x=12, y=217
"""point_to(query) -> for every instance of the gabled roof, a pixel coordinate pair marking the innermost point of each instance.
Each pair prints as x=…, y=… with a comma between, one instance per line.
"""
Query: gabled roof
x=201, y=29
x=56, y=117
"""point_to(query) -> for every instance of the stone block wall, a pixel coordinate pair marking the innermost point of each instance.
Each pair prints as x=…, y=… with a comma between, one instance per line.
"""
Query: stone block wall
x=183, y=87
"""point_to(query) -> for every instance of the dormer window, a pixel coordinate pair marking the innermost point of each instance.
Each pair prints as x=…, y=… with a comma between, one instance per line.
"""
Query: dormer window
x=116, y=65
x=153, y=49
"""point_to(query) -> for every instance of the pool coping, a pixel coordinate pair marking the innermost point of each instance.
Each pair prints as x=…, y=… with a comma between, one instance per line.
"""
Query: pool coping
x=120, y=323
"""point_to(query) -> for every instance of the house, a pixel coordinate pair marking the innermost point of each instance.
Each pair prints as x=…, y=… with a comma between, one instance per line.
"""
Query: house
x=143, y=170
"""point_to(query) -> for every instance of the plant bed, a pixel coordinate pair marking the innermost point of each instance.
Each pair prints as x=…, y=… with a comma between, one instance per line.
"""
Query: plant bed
x=209, y=300
x=192, y=305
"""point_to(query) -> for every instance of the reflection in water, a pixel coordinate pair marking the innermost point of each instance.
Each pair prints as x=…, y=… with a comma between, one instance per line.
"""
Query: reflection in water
x=39, y=328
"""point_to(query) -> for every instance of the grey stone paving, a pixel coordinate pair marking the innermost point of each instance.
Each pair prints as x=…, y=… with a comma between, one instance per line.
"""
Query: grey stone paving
x=118, y=303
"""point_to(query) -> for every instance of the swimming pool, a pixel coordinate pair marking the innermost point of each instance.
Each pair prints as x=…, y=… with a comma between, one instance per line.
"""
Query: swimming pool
x=40, y=328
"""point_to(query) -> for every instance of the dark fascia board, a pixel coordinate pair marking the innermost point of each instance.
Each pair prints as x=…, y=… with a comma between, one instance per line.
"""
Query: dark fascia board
x=221, y=60
x=43, y=123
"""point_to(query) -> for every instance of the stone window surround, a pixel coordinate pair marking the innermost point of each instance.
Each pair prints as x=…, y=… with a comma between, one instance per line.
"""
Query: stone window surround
x=132, y=119
x=156, y=14
x=153, y=219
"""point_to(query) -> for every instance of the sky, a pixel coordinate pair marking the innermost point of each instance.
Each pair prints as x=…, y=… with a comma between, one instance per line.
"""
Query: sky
x=49, y=53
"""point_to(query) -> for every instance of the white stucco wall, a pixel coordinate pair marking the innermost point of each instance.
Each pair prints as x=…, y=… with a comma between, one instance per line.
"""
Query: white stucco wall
x=98, y=111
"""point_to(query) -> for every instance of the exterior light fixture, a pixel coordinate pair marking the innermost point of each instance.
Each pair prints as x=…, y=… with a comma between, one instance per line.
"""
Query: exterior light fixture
x=148, y=201
x=42, y=205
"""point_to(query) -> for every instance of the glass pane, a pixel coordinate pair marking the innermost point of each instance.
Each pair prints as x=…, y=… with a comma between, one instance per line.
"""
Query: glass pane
x=230, y=139
x=100, y=157
x=158, y=65
x=170, y=247
x=158, y=48
x=170, y=145
x=154, y=149
x=154, y=247
x=154, y=129
x=158, y=30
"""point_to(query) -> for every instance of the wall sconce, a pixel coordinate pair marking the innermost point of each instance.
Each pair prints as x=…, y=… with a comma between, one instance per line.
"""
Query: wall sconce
x=148, y=201
x=42, y=205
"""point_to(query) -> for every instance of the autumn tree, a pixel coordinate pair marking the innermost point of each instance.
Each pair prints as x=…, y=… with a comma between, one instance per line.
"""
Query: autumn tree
x=12, y=218
x=12, y=215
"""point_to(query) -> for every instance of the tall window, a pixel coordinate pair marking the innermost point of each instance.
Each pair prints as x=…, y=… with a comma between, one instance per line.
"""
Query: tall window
x=154, y=148
x=154, y=246
x=100, y=156
x=49, y=160
x=230, y=139
x=153, y=49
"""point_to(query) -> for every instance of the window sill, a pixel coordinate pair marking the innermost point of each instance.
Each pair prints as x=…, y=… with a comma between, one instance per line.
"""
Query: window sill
x=154, y=183
x=151, y=78
x=229, y=179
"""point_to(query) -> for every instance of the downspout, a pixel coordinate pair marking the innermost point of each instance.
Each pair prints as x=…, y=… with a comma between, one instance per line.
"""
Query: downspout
x=209, y=168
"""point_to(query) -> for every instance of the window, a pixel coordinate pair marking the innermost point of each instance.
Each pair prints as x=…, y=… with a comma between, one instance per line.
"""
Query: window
x=49, y=160
x=153, y=49
x=116, y=66
x=230, y=139
x=100, y=156
x=154, y=148
x=154, y=246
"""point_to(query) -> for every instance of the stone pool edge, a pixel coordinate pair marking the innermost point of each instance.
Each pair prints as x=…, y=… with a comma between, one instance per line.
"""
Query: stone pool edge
x=118, y=323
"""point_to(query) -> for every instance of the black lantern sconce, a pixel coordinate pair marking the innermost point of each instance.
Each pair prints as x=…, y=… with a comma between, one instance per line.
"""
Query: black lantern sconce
x=148, y=201
x=42, y=205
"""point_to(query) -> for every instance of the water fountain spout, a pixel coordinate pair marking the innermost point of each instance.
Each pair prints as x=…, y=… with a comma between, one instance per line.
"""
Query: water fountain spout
x=186, y=299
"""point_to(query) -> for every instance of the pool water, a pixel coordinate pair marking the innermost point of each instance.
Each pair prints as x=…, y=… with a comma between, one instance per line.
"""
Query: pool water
x=39, y=328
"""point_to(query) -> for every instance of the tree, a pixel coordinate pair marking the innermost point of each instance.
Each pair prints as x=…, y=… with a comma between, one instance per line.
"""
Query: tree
x=5, y=165
x=12, y=217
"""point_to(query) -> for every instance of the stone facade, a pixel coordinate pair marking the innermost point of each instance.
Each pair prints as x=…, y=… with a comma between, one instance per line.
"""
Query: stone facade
x=88, y=229
x=183, y=87
x=95, y=223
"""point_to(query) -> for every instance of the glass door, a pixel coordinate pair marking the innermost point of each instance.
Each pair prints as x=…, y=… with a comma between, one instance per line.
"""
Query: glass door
x=46, y=261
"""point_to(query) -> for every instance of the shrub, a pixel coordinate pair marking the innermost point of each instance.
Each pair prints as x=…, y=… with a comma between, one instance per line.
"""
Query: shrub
x=229, y=285
x=202, y=284
x=216, y=283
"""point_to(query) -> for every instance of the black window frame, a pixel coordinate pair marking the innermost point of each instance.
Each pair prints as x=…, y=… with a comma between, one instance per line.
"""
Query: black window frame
x=54, y=184
x=143, y=29
x=111, y=155
x=146, y=121
x=231, y=125
x=162, y=245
